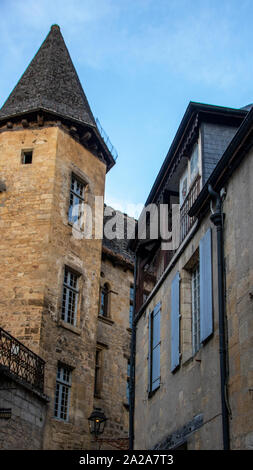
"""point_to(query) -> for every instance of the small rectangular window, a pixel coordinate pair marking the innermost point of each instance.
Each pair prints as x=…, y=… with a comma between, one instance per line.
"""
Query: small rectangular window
x=195, y=310
x=76, y=201
x=69, y=297
x=62, y=393
x=98, y=373
x=131, y=306
x=26, y=157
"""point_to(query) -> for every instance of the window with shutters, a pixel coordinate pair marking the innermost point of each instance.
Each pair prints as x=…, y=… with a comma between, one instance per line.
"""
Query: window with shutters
x=62, y=393
x=195, y=285
x=154, y=349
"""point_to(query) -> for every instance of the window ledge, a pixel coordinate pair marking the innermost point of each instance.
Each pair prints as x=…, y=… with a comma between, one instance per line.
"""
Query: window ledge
x=151, y=394
x=70, y=327
x=97, y=395
x=106, y=320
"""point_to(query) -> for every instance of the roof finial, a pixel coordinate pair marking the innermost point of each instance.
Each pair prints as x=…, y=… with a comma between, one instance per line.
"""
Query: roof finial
x=55, y=26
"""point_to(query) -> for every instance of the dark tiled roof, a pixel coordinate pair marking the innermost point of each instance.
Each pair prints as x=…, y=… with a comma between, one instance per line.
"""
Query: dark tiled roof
x=50, y=82
x=119, y=246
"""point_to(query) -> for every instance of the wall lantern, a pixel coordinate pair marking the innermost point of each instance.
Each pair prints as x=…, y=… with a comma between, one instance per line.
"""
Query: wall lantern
x=97, y=422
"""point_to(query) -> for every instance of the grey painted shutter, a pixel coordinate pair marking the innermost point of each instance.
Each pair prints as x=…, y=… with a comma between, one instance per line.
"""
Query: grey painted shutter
x=174, y=319
x=206, y=297
x=156, y=347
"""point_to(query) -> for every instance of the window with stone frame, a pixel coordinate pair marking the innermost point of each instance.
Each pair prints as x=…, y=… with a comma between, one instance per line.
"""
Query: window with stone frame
x=70, y=296
x=105, y=300
x=131, y=306
x=76, y=201
x=62, y=392
x=98, y=372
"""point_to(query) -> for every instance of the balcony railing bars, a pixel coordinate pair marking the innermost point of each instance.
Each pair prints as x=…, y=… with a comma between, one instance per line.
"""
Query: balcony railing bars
x=106, y=140
x=21, y=361
x=187, y=222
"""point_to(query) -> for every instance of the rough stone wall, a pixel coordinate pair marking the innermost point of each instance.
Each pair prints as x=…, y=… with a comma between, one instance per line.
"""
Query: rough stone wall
x=25, y=212
x=60, y=342
x=238, y=209
x=114, y=335
x=194, y=388
x=24, y=429
x=38, y=243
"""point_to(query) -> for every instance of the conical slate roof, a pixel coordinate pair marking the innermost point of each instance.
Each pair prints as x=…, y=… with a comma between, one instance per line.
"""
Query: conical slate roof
x=51, y=83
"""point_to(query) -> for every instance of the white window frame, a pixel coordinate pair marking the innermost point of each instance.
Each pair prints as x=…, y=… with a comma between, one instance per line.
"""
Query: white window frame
x=70, y=296
x=62, y=393
x=76, y=201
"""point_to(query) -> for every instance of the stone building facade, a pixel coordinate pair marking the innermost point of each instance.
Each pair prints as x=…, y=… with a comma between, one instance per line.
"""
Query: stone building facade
x=194, y=333
x=54, y=160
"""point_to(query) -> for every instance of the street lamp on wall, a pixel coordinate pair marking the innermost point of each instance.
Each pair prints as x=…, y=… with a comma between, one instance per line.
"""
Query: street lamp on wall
x=97, y=422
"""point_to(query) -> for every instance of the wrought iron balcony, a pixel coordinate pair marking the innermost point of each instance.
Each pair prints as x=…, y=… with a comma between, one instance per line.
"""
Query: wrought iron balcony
x=21, y=361
x=187, y=222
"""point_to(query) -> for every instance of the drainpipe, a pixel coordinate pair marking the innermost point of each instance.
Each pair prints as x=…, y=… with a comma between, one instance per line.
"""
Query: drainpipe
x=132, y=368
x=217, y=218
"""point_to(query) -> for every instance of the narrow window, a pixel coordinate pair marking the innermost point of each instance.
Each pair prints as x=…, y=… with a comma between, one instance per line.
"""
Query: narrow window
x=195, y=310
x=104, y=301
x=128, y=383
x=70, y=297
x=26, y=157
x=76, y=201
x=131, y=306
x=62, y=393
x=98, y=373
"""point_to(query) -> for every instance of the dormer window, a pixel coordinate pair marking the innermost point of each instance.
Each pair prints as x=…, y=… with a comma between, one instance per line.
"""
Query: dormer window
x=194, y=163
x=189, y=188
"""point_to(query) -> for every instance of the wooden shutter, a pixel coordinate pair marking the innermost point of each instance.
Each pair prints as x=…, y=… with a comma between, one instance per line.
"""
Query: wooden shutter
x=174, y=319
x=156, y=340
x=154, y=349
x=206, y=291
x=149, y=350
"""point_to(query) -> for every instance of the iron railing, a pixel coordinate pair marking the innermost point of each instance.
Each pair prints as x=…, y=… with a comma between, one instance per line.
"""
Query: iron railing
x=21, y=361
x=186, y=222
x=106, y=140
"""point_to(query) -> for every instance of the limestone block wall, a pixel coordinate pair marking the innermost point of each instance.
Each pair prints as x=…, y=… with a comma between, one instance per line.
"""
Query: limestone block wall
x=114, y=338
x=238, y=209
x=25, y=427
x=192, y=392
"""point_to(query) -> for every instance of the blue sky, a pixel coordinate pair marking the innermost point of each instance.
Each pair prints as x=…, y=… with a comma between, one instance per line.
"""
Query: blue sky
x=140, y=63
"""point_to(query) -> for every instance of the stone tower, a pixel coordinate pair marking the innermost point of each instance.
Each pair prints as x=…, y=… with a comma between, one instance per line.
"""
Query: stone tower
x=52, y=156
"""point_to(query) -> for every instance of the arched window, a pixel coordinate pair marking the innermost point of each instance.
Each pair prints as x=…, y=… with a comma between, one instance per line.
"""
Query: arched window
x=104, y=301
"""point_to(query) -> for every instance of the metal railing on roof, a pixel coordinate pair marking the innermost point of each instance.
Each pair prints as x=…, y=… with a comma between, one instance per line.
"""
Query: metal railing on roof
x=106, y=140
x=21, y=361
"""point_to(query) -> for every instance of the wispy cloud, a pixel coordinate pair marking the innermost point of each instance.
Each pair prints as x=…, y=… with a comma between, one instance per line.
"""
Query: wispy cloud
x=198, y=40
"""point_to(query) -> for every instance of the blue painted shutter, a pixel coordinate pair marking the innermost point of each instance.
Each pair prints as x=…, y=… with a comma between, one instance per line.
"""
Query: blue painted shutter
x=149, y=350
x=156, y=348
x=206, y=291
x=174, y=320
